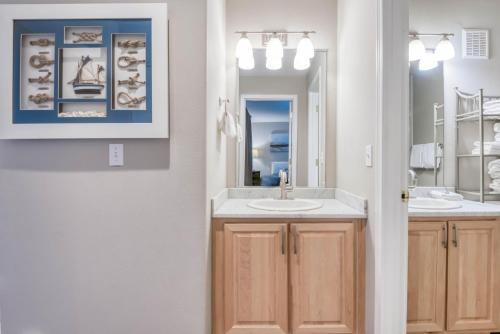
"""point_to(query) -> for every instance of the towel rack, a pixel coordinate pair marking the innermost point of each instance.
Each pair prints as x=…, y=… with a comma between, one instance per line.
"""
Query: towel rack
x=470, y=108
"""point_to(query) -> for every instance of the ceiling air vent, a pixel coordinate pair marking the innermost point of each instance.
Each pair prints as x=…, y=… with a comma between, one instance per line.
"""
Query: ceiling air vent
x=475, y=44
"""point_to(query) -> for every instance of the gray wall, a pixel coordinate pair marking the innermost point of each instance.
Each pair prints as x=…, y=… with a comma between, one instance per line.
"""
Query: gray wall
x=85, y=248
x=357, y=121
x=469, y=75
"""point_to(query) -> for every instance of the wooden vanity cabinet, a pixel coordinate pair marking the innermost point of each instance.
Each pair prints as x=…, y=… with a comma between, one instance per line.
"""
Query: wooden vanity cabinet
x=454, y=276
x=288, y=276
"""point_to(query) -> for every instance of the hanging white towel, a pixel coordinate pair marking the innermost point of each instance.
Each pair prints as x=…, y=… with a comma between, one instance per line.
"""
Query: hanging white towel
x=422, y=156
x=227, y=124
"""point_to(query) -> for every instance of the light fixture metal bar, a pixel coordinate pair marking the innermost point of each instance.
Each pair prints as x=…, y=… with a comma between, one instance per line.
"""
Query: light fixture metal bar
x=431, y=35
x=276, y=32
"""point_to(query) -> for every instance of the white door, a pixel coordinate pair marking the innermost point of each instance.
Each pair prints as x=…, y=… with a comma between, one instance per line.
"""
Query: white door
x=313, y=140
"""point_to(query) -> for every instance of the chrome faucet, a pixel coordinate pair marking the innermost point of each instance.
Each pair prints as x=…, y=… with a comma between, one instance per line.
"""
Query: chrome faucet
x=414, y=179
x=283, y=187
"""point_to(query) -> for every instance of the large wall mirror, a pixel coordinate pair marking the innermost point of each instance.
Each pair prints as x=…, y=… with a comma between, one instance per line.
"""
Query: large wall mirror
x=282, y=117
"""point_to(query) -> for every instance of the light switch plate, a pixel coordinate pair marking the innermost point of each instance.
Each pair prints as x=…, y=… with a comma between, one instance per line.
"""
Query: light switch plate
x=115, y=155
x=369, y=155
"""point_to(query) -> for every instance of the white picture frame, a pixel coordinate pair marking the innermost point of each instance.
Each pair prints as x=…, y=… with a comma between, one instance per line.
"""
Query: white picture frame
x=158, y=128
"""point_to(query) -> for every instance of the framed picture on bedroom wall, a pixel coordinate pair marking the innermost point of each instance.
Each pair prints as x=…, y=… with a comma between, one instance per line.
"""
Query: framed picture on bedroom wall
x=84, y=71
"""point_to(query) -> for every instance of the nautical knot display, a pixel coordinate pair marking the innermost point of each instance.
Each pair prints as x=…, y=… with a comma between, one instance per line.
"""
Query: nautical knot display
x=41, y=80
x=125, y=99
x=40, y=98
x=131, y=44
x=127, y=61
x=86, y=36
x=132, y=82
x=39, y=61
x=42, y=42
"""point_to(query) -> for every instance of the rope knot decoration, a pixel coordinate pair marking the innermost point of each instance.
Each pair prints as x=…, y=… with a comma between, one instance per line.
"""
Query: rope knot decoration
x=127, y=61
x=86, y=37
x=39, y=61
x=42, y=42
x=41, y=80
x=40, y=98
x=131, y=44
x=132, y=82
x=125, y=99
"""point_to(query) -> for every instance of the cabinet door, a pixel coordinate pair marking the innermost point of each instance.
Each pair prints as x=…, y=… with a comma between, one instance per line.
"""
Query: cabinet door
x=322, y=278
x=426, y=277
x=474, y=275
x=255, y=279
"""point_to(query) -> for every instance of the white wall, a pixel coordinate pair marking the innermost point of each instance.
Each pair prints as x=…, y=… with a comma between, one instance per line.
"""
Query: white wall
x=357, y=119
x=85, y=248
x=469, y=75
x=318, y=15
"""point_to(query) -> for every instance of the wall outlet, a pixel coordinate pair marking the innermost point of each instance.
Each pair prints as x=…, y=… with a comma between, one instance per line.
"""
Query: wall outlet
x=369, y=155
x=115, y=155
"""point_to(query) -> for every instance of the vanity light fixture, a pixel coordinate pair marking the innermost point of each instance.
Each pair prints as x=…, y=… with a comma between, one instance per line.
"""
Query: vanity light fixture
x=274, y=53
x=274, y=50
x=428, y=61
x=305, y=51
x=244, y=53
x=416, y=48
x=305, y=48
x=444, y=49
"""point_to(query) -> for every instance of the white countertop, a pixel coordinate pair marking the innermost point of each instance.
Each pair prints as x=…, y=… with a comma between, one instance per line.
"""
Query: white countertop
x=332, y=208
x=468, y=209
x=336, y=203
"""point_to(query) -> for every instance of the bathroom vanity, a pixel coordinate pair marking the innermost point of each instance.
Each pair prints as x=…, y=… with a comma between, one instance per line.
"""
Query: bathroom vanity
x=288, y=271
x=454, y=270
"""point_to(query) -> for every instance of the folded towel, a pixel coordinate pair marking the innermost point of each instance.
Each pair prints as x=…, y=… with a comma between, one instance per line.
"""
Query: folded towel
x=494, y=163
x=491, y=104
x=422, y=156
x=492, y=112
x=496, y=127
x=447, y=195
x=495, y=187
x=495, y=182
x=494, y=174
x=489, y=144
x=486, y=151
x=497, y=136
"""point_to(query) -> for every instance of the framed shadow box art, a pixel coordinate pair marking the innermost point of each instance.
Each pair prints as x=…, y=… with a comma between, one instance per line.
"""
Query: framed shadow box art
x=84, y=71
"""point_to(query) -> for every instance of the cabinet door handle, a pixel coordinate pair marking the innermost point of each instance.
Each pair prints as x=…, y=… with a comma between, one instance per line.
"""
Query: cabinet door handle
x=445, y=236
x=455, y=239
x=295, y=239
x=283, y=240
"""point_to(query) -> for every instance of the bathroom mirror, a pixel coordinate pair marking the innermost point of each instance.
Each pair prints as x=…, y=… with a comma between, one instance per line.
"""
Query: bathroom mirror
x=426, y=125
x=282, y=117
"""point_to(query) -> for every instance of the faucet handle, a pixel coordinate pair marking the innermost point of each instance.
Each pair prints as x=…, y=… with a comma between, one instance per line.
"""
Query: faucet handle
x=283, y=176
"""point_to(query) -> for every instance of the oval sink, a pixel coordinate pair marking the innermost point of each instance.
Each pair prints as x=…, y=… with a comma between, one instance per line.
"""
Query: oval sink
x=433, y=204
x=271, y=204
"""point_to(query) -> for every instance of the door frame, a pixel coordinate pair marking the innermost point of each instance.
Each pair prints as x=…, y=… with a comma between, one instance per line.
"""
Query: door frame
x=390, y=213
x=240, y=147
x=322, y=123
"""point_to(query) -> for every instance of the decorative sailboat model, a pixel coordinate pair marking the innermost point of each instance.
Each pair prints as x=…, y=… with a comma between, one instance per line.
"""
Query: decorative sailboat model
x=88, y=79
